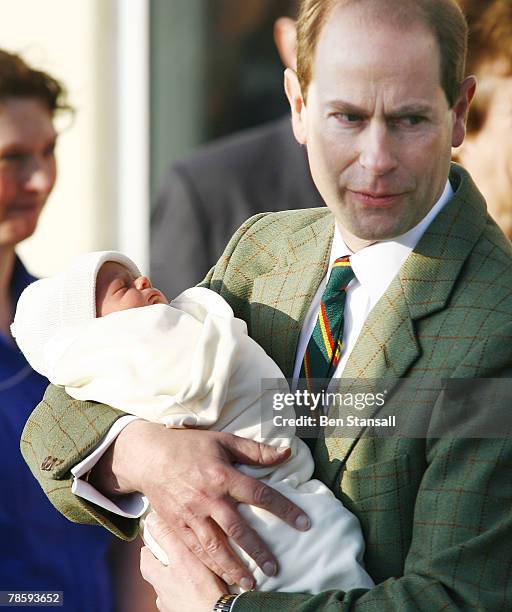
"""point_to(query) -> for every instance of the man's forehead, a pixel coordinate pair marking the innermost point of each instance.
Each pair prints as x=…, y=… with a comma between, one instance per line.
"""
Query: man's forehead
x=357, y=21
x=399, y=13
x=360, y=54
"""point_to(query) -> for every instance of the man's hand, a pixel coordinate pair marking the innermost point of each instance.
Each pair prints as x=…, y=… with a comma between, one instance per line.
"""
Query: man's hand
x=185, y=585
x=189, y=478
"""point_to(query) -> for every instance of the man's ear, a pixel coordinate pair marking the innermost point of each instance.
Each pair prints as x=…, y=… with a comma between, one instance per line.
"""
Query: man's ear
x=297, y=106
x=285, y=38
x=461, y=109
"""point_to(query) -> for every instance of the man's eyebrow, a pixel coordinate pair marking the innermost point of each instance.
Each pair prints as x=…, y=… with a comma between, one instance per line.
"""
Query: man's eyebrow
x=401, y=111
x=347, y=107
x=411, y=109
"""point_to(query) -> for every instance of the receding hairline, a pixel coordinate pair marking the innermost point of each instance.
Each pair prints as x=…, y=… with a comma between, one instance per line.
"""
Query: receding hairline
x=398, y=14
x=403, y=22
x=404, y=14
x=399, y=20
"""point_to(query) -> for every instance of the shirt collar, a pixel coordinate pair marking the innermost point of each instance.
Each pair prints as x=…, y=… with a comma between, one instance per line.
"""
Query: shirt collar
x=375, y=266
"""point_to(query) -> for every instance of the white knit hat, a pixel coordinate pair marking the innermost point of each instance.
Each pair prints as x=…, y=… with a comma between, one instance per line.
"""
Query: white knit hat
x=50, y=305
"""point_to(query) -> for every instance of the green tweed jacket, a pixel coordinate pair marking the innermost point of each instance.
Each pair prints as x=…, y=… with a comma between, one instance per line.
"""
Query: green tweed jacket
x=436, y=512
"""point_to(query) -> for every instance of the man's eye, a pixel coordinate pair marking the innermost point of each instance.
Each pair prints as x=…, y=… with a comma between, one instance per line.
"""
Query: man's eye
x=348, y=118
x=412, y=120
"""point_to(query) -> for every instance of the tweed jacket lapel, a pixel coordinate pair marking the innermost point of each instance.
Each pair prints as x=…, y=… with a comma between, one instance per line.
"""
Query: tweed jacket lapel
x=281, y=298
x=388, y=344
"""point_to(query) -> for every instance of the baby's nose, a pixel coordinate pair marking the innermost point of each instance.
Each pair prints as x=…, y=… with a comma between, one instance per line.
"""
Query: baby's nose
x=142, y=282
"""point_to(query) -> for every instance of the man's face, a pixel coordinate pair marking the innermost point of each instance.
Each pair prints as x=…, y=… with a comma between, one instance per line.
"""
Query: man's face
x=487, y=154
x=376, y=124
x=27, y=166
x=117, y=289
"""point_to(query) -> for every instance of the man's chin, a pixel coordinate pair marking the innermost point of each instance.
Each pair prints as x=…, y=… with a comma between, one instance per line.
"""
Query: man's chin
x=371, y=234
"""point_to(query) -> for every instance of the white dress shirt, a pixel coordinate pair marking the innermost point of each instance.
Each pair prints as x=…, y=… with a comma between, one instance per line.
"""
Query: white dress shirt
x=374, y=267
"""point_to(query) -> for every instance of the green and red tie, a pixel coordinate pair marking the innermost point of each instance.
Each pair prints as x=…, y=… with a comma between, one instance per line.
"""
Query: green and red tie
x=326, y=343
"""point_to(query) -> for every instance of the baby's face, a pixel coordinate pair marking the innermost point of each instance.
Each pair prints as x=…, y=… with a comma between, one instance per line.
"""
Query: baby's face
x=117, y=289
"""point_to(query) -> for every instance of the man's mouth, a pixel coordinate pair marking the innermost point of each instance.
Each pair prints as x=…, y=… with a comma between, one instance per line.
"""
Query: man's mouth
x=375, y=199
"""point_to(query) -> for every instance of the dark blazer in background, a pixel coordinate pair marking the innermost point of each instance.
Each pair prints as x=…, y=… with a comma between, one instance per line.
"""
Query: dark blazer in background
x=206, y=197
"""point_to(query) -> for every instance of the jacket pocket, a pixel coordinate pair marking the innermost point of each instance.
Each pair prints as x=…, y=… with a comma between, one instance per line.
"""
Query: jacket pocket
x=382, y=496
x=376, y=479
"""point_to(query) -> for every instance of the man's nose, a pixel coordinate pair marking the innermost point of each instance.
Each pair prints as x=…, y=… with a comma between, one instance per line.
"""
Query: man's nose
x=377, y=153
x=142, y=282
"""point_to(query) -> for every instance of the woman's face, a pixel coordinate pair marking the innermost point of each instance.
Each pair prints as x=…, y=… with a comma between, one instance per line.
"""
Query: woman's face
x=27, y=166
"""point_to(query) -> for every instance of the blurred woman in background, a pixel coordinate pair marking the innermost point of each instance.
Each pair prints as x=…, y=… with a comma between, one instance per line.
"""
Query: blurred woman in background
x=40, y=549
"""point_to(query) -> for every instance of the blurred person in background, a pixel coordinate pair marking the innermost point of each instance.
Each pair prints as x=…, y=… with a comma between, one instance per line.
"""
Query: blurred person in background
x=243, y=76
x=204, y=198
x=487, y=150
x=40, y=549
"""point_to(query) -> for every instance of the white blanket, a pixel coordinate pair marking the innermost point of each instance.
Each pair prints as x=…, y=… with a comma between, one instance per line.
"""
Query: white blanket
x=192, y=364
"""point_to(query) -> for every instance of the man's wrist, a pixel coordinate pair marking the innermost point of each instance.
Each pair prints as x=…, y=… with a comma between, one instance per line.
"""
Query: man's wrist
x=225, y=603
x=117, y=472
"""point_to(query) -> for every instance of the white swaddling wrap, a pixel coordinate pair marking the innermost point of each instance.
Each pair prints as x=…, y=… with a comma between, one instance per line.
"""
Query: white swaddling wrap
x=192, y=364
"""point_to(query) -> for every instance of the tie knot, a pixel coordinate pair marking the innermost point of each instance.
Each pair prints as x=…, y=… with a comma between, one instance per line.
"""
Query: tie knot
x=341, y=275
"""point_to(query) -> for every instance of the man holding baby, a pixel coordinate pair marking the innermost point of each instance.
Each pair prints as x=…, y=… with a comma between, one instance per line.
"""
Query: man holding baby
x=379, y=99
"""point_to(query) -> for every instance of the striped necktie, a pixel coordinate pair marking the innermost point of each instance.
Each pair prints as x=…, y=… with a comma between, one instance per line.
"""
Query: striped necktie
x=326, y=343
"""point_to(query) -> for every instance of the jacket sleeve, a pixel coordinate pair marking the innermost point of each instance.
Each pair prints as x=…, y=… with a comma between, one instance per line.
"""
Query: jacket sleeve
x=60, y=433
x=460, y=556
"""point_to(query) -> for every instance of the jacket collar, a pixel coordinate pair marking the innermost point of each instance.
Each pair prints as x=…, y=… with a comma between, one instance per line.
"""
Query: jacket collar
x=388, y=344
x=286, y=291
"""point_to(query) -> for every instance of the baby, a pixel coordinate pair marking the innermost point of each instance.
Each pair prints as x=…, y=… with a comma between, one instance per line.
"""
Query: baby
x=105, y=334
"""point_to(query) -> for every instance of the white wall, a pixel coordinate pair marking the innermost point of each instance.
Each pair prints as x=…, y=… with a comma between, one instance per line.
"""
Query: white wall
x=74, y=40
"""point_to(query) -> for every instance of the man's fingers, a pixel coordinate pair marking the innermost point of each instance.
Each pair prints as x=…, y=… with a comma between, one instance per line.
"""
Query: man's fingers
x=191, y=541
x=150, y=569
x=150, y=566
x=250, y=452
x=168, y=540
x=255, y=493
x=214, y=542
x=205, y=540
x=247, y=538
